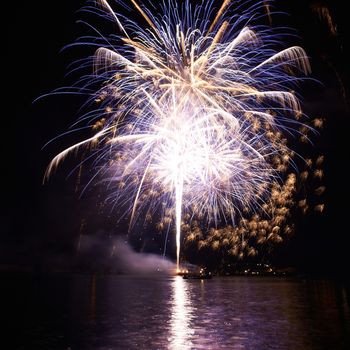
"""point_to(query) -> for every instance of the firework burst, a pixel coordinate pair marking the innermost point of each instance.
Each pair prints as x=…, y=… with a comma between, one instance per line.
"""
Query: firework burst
x=191, y=110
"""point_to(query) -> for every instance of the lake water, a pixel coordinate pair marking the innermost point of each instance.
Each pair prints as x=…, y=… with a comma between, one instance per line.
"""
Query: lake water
x=78, y=312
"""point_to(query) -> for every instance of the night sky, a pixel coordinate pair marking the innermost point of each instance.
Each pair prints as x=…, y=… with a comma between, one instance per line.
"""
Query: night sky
x=41, y=222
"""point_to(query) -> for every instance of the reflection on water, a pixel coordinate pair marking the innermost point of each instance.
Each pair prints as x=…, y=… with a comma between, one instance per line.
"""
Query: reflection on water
x=93, y=299
x=81, y=312
x=181, y=316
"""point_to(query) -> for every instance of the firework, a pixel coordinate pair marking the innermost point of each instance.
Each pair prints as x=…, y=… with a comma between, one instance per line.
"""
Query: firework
x=256, y=235
x=192, y=111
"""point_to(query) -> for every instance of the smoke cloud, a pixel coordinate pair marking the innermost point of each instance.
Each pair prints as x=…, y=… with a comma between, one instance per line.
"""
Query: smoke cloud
x=117, y=256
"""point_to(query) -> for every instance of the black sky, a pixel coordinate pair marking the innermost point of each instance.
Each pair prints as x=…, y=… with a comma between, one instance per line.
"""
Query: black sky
x=37, y=220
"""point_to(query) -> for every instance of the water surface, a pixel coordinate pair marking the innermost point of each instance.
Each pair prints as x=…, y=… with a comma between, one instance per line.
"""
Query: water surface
x=161, y=312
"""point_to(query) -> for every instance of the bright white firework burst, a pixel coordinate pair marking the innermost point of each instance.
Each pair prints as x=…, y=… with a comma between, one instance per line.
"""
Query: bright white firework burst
x=186, y=108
